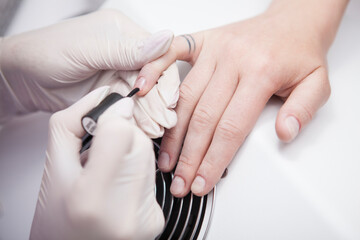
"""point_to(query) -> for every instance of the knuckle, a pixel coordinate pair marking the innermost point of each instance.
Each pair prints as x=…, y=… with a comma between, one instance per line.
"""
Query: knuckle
x=266, y=84
x=264, y=73
x=154, y=68
x=210, y=165
x=186, y=162
x=264, y=64
x=271, y=84
x=171, y=135
x=306, y=114
x=229, y=131
x=187, y=95
x=173, y=52
x=202, y=118
x=229, y=44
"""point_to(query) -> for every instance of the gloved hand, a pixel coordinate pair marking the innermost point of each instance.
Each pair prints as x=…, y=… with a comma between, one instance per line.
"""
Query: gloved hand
x=110, y=197
x=51, y=68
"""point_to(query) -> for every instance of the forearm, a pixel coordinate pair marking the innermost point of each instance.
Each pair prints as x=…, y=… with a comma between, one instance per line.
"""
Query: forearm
x=323, y=16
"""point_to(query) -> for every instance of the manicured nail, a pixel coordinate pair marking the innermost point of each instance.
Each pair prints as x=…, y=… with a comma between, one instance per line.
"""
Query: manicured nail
x=140, y=83
x=177, y=185
x=198, y=185
x=293, y=127
x=164, y=161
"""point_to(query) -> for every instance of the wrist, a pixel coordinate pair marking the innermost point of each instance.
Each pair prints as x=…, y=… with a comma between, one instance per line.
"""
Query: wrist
x=321, y=17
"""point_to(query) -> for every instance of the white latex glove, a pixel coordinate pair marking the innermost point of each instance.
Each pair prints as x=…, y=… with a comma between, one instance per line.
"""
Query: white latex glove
x=51, y=68
x=112, y=196
x=154, y=111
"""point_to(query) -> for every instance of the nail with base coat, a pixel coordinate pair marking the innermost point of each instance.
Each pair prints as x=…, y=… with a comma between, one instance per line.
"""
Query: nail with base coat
x=198, y=185
x=177, y=185
x=293, y=127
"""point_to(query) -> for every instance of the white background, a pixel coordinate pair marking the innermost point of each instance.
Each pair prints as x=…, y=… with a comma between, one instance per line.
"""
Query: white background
x=305, y=190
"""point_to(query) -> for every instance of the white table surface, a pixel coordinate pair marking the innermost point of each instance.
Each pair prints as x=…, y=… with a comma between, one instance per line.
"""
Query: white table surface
x=305, y=190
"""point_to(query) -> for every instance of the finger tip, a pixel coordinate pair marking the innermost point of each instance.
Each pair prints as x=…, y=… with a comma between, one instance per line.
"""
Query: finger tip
x=142, y=84
x=198, y=186
x=165, y=169
x=196, y=193
x=287, y=128
x=177, y=187
x=285, y=139
x=141, y=93
x=281, y=133
x=164, y=161
x=199, y=194
x=177, y=195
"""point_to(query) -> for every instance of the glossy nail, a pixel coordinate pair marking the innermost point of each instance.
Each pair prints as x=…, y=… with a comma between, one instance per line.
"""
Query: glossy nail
x=177, y=185
x=164, y=161
x=293, y=127
x=140, y=83
x=198, y=185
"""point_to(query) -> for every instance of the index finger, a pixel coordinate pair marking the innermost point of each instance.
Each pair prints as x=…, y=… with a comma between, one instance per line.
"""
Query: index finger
x=184, y=47
x=232, y=129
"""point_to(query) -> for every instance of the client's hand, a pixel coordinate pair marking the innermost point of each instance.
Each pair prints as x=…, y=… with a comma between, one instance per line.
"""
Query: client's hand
x=236, y=69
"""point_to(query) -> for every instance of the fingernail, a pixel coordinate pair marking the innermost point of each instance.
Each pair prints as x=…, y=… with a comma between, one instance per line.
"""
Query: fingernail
x=198, y=185
x=292, y=126
x=177, y=185
x=157, y=44
x=164, y=161
x=140, y=83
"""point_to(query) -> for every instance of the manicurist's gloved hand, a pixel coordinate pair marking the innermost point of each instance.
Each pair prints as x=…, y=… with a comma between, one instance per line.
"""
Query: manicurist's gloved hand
x=51, y=68
x=112, y=195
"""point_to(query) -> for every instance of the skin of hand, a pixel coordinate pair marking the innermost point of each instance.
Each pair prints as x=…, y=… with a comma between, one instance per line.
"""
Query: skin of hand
x=236, y=69
x=51, y=68
x=105, y=193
